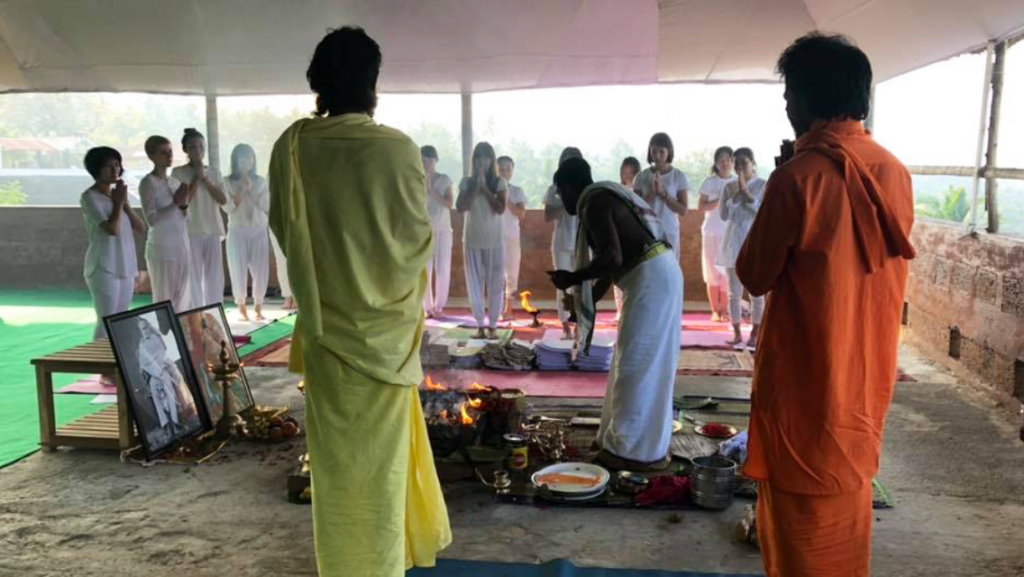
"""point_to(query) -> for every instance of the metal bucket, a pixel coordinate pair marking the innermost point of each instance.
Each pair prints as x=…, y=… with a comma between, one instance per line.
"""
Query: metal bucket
x=713, y=481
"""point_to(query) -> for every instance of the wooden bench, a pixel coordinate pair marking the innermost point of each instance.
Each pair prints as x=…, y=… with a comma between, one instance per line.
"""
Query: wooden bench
x=111, y=428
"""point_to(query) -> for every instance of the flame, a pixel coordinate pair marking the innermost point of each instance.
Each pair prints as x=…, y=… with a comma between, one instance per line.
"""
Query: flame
x=432, y=386
x=475, y=403
x=478, y=388
x=524, y=300
x=466, y=419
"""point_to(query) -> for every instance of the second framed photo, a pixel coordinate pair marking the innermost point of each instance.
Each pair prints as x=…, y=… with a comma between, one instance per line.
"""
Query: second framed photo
x=205, y=329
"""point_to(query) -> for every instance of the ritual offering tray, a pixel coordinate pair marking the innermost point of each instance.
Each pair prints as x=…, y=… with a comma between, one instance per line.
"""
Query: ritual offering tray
x=268, y=424
x=572, y=480
x=716, y=430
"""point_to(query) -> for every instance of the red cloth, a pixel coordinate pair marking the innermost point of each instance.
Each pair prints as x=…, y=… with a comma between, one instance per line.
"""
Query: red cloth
x=665, y=490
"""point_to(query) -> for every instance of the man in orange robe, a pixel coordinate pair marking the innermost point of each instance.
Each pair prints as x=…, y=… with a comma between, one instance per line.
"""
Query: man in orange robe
x=831, y=244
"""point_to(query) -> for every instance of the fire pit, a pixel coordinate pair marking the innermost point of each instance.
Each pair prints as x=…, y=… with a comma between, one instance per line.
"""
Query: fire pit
x=457, y=419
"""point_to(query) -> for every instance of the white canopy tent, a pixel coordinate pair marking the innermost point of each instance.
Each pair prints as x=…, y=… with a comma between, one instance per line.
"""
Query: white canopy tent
x=234, y=47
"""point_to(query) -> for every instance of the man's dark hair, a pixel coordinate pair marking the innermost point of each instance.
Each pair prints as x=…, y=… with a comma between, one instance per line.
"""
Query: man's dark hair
x=661, y=140
x=573, y=174
x=508, y=159
x=343, y=72
x=99, y=156
x=830, y=74
x=428, y=151
x=631, y=162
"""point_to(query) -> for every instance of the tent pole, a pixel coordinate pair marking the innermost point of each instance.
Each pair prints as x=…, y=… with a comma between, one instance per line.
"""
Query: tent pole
x=991, y=184
x=212, y=131
x=982, y=123
x=467, y=133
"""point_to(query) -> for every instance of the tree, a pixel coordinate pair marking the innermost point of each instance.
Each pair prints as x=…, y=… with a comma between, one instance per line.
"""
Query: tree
x=11, y=193
x=952, y=205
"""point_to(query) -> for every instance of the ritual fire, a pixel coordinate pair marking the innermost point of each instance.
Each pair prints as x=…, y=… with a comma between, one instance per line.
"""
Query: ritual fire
x=458, y=418
x=524, y=300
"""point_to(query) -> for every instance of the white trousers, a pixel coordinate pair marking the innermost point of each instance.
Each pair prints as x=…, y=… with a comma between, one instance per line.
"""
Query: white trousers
x=282, y=268
x=439, y=273
x=636, y=420
x=563, y=260
x=736, y=295
x=170, y=282
x=248, y=252
x=207, y=270
x=714, y=275
x=110, y=295
x=513, y=256
x=485, y=283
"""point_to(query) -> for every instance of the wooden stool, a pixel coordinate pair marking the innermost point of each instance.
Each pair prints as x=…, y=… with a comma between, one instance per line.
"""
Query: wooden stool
x=111, y=428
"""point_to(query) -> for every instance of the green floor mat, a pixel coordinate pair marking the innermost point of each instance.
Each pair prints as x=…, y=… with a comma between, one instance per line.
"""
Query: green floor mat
x=268, y=335
x=35, y=324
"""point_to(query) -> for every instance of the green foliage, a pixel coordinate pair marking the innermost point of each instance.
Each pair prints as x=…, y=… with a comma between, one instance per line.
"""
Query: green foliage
x=952, y=205
x=11, y=193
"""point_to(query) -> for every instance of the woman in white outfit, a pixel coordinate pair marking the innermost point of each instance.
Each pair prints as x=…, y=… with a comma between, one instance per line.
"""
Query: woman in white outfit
x=165, y=205
x=205, y=223
x=713, y=229
x=110, y=222
x=515, y=212
x=482, y=198
x=440, y=199
x=283, y=282
x=563, y=239
x=627, y=174
x=248, y=244
x=738, y=206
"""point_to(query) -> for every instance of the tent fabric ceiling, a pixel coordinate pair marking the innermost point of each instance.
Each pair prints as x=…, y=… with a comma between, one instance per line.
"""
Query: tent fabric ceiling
x=236, y=47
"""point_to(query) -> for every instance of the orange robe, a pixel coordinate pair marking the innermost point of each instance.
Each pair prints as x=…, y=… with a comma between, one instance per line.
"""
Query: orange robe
x=831, y=244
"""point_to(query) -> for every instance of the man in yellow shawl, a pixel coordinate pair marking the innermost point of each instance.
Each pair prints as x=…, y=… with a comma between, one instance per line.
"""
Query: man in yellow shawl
x=347, y=207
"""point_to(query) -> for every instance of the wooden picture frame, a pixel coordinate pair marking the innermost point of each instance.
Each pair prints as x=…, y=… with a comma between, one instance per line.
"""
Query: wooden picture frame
x=158, y=376
x=204, y=329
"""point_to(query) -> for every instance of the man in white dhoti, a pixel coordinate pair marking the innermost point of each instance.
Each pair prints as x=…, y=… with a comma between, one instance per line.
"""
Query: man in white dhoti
x=628, y=249
x=205, y=223
x=440, y=199
x=248, y=243
x=515, y=212
x=165, y=206
x=563, y=239
x=482, y=197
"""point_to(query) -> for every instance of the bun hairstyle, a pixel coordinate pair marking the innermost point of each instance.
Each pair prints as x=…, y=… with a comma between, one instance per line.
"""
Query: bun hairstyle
x=190, y=133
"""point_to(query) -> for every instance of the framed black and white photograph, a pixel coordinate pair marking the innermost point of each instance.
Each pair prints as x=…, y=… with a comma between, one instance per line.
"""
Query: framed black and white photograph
x=205, y=329
x=157, y=372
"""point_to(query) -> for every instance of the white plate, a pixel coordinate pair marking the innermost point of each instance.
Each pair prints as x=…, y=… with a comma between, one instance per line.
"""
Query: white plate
x=585, y=470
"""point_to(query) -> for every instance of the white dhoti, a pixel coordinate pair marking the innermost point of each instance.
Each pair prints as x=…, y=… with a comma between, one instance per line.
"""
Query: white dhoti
x=485, y=283
x=564, y=260
x=248, y=252
x=207, y=278
x=673, y=239
x=282, y=268
x=636, y=421
x=170, y=282
x=110, y=295
x=714, y=275
x=513, y=256
x=439, y=272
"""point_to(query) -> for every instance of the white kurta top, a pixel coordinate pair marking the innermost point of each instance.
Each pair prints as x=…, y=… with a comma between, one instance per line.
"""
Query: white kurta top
x=674, y=182
x=203, y=212
x=515, y=196
x=439, y=214
x=112, y=254
x=739, y=217
x=564, y=237
x=168, y=229
x=255, y=205
x=712, y=188
x=483, y=227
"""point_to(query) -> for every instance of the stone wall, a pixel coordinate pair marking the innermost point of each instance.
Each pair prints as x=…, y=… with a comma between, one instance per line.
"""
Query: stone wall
x=43, y=247
x=973, y=287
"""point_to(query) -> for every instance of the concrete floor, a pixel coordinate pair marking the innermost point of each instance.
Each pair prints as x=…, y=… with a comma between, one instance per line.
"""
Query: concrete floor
x=952, y=463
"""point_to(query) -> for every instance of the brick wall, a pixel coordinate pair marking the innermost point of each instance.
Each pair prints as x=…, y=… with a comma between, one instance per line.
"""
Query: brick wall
x=974, y=284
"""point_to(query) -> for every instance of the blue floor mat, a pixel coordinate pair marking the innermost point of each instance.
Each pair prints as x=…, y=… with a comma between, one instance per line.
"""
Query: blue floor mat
x=557, y=568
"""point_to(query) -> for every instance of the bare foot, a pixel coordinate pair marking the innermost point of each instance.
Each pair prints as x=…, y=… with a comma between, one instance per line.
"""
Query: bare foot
x=242, y=312
x=735, y=340
x=716, y=318
x=492, y=334
x=289, y=304
x=480, y=334
x=259, y=313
